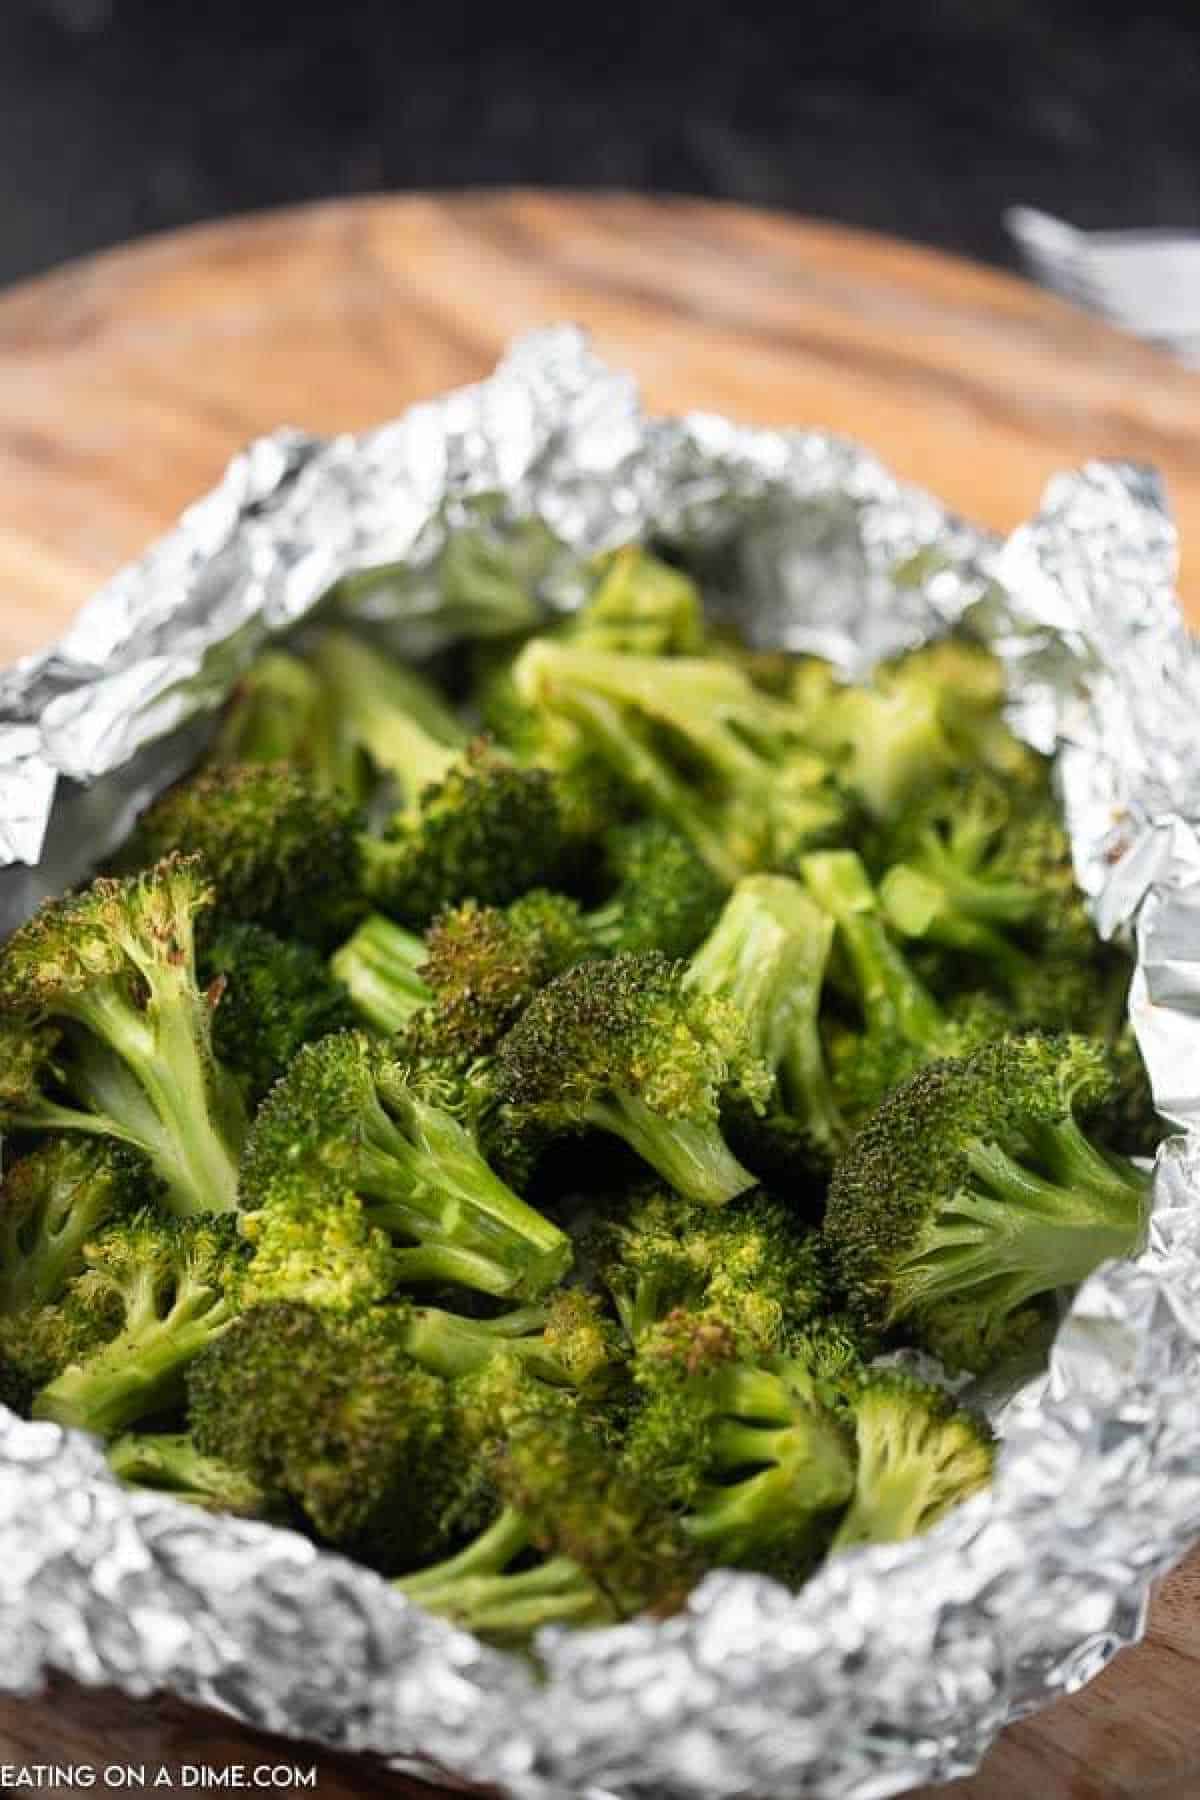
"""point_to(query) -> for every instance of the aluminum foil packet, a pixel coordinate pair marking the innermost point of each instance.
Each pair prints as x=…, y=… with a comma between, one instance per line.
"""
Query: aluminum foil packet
x=896, y=1664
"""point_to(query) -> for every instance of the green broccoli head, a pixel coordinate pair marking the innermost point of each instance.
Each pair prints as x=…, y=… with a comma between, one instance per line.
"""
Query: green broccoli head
x=107, y=1031
x=275, y=714
x=665, y=897
x=160, y=1290
x=919, y=1455
x=622, y=1046
x=747, y=1266
x=280, y=853
x=749, y=1449
x=640, y=605
x=346, y=1120
x=327, y=1412
x=52, y=1203
x=487, y=829
x=319, y=1248
x=974, y=1184
x=272, y=995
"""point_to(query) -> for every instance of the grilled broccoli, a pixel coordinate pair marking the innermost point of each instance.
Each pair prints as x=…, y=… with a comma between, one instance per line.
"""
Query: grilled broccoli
x=621, y=1046
x=699, y=745
x=277, y=714
x=750, y=1452
x=640, y=605
x=107, y=1032
x=344, y=1120
x=168, y=1462
x=272, y=995
x=767, y=956
x=664, y=895
x=578, y=1541
x=973, y=1190
x=327, y=1412
x=746, y=1266
x=919, y=1455
x=161, y=1290
x=279, y=853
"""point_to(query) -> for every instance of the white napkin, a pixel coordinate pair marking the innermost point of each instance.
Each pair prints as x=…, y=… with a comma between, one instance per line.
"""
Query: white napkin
x=1147, y=282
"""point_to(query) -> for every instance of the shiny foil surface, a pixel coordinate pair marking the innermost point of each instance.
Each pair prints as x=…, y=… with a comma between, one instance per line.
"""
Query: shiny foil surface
x=896, y=1664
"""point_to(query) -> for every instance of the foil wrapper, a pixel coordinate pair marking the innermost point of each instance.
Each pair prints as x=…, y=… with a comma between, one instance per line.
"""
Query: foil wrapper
x=896, y=1664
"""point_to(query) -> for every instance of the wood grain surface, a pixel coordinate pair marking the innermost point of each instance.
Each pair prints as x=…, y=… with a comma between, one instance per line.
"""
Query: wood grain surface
x=127, y=381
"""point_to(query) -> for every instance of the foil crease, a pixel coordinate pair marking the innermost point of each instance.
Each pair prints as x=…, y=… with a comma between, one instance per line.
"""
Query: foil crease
x=896, y=1664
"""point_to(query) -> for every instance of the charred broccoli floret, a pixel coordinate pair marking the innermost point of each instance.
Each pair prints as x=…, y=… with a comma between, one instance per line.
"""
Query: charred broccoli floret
x=665, y=895
x=919, y=1455
x=272, y=995
x=163, y=1289
x=344, y=1120
x=279, y=853
x=52, y=1203
x=329, y=1413
x=621, y=1046
x=749, y=1451
x=973, y=1190
x=107, y=1032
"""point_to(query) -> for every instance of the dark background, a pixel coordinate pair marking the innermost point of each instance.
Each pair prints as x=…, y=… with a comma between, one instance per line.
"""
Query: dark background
x=119, y=117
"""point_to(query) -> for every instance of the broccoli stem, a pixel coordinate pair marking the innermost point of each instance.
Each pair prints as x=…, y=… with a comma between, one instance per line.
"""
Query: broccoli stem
x=167, y=1109
x=140, y=1372
x=379, y=966
x=899, y=1493
x=476, y=1591
x=693, y=1158
x=398, y=719
x=449, y=1345
x=888, y=989
x=423, y=1178
x=169, y=1463
x=1010, y=1234
x=922, y=906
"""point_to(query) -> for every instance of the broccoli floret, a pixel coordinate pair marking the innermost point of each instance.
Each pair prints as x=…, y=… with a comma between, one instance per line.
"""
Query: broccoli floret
x=566, y=1342
x=170, y=1286
x=484, y=964
x=471, y=822
x=970, y=683
x=52, y=1203
x=746, y=1266
x=328, y=1412
x=169, y=1463
x=621, y=1046
x=902, y=1025
x=641, y=606
x=380, y=968
x=699, y=745
x=919, y=1455
x=345, y=1119
x=272, y=995
x=973, y=1190
x=749, y=1451
x=578, y=1542
x=277, y=714
x=113, y=969
x=1129, y=1120
x=665, y=896
x=279, y=853
x=767, y=956
x=321, y=1248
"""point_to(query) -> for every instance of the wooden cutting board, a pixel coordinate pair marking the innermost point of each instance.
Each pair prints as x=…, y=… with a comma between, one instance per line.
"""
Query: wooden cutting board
x=127, y=381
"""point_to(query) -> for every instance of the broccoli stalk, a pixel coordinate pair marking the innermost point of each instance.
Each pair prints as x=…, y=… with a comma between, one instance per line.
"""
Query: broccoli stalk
x=169, y=1463
x=344, y=1115
x=620, y=1046
x=169, y=1286
x=480, y=1591
x=275, y=715
x=919, y=1455
x=115, y=968
x=380, y=968
x=767, y=956
x=973, y=1190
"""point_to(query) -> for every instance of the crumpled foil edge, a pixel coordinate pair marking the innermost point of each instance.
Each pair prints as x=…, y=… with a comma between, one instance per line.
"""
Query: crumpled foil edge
x=897, y=1664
